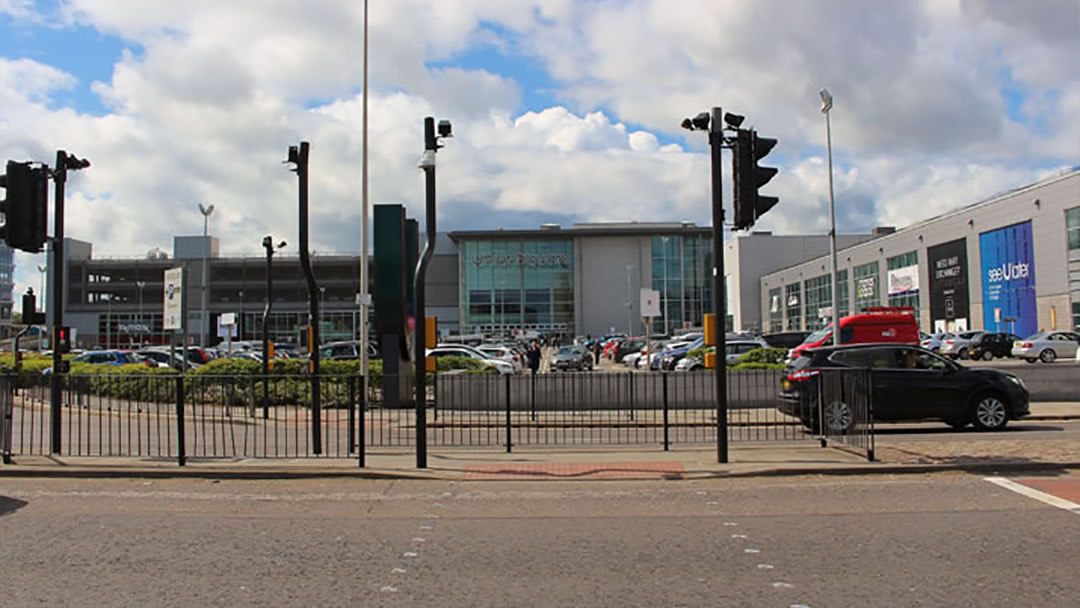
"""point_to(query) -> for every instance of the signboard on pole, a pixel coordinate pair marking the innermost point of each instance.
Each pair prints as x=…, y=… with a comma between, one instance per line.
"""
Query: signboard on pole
x=174, y=299
x=650, y=302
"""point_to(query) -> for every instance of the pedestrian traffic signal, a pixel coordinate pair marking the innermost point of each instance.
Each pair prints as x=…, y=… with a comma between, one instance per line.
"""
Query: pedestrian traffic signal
x=25, y=206
x=749, y=177
x=63, y=340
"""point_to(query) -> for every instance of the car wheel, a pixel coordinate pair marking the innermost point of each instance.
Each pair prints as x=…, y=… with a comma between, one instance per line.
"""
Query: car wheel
x=990, y=413
x=1031, y=360
x=964, y=354
x=1047, y=356
x=838, y=417
x=987, y=356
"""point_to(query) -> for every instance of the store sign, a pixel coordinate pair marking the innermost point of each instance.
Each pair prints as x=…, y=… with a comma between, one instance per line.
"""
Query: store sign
x=532, y=260
x=903, y=281
x=1008, y=279
x=133, y=328
x=650, y=302
x=949, y=298
x=174, y=299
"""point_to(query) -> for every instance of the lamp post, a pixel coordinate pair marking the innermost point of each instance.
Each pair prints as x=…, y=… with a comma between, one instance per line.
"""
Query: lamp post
x=42, y=268
x=108, y=323
x=240, y=322
x=268, y=244
x=140, y=285
x=365, y=296
x=203, y=325
x=629, y=304
x=664, y=295
x=826, y=107
x=322, y=307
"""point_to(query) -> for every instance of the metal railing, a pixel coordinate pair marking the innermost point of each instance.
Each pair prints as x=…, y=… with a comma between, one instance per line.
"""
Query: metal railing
x=845, y=409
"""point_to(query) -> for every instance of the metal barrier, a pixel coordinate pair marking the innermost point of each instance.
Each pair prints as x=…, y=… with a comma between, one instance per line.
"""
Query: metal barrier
x=845, y=409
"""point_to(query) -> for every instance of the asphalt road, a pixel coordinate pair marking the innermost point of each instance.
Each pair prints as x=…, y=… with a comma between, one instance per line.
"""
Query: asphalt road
x=1022, y=430
x=946, y=540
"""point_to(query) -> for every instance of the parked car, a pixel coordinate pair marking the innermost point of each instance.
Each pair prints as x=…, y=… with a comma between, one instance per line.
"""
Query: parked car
x=506, y=353
x=576, y=358
x=671, y=356
x=478, y=353
x=346, y=350
x=108, y=357
x=738, y=348
x=876, y=325
x=162, y=357
x=934, y=341
x=990, y=345
x=785, y=339
x=627, y=346
x=1047, y=346
x=909, y=383
x=458, y=350
x=957, y=346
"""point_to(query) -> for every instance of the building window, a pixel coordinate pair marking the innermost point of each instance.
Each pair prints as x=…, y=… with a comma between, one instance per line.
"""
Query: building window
x=903, y=283
x=680, y=273
x=818, y=302
x=1072, y=226
x=793, y=307
x=776, y=310
x=1076, y=316
x=867, y=292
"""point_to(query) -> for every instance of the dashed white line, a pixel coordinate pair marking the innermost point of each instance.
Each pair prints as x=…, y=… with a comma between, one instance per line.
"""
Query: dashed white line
x=739, y=536
x=1049, y=499
x=398, y=571
x=765, y=566
x=782, y=585
x=751, y=550
x=417, y=539
x=388, y=589
x=410, y=554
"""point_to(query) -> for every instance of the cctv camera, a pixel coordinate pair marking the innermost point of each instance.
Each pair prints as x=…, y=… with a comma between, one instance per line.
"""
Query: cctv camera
x=427, y=161
x=701, y=121
x=294, y=155
x=445, y=129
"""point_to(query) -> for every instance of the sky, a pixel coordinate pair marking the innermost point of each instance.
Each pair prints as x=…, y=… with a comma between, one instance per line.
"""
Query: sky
x=563, y=110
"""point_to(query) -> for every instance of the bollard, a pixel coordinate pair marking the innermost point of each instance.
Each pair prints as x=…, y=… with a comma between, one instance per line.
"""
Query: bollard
x=362, y=439
x=352, y=414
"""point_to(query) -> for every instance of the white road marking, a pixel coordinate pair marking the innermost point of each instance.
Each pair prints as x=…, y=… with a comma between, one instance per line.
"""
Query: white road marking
x=417, y=539
x=399, y=571
x=730, y=523
x=1049, y=499
x=738, y=536
x=782, y=585
x=410, y=554
x=751, y=550
x=764, y=566
x=711, y=502
x=426, y=528
x=388, y=589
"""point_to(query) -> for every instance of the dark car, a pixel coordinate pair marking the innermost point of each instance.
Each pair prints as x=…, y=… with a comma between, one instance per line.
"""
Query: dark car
x=669, y=358
x=909, y=383
x=785, y=339
x=989, y=346
x=577, y=358
x=347, y=350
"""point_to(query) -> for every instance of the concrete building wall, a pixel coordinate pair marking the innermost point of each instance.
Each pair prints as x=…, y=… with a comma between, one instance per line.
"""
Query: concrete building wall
x=1043, y=204
x=600, y=282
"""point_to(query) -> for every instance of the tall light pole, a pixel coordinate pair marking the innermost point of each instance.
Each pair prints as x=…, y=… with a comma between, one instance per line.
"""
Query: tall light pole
x=629, y=304
x=826, y=107
x=42, y=268
x=666, y=300
x=140, y=285
x=240, y=329
x=203, y=325
x=364, y=295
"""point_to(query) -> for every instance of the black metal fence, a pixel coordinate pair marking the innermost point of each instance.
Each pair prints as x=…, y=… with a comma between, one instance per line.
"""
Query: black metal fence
x=203, y=416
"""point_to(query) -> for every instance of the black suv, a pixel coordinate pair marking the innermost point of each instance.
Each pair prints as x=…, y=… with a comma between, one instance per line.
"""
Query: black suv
x=909, y=383
x=988, y=346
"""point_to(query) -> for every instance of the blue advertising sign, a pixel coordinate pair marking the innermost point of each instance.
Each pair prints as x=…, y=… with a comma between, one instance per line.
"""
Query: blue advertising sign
x=1008, y=280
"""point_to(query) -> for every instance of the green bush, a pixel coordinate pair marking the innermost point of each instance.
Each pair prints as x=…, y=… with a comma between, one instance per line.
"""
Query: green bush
x=765, y=355
x=756, y=365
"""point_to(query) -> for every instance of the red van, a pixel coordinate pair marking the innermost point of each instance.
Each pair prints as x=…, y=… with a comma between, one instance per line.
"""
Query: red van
x=893, y=324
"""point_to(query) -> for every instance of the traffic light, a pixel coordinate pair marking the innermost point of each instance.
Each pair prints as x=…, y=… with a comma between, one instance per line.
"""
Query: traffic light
x=63, y=340
x=25, y=206
x=749, y=176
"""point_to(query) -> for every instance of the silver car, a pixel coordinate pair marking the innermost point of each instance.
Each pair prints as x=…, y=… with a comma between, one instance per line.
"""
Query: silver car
x=1047, y=346
x=957, y=346
x=934, y=341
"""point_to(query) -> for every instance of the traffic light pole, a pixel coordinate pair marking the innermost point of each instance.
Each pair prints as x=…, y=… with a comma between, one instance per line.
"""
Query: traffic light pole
x=301, y=160
x=420, y=339
x=56, y=380
x=716, y=143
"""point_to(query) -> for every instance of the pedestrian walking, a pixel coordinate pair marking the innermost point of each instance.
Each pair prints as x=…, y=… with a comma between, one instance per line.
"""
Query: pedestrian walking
x=533, y=355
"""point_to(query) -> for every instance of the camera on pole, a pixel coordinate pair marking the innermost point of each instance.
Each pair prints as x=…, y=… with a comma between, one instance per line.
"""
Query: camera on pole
x=749, y=176
x=25, y=206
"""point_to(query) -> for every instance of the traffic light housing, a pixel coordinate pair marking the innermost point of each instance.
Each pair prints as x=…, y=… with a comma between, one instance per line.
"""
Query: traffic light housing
x=749, y=176
x=25, y=206
x=63, y=340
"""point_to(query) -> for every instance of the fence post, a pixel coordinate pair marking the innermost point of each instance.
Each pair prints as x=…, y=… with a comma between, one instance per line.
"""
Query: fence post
x=181, y=452
x=821, y=408
x=667, y=442
x=361, y=445
x=8, y=418
x=532, y=397
x=352, y=414
x=869, y=392
x=630, y=377
x=508, y=445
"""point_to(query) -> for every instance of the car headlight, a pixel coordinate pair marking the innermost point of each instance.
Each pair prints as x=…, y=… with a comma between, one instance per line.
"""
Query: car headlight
x=1019, y=381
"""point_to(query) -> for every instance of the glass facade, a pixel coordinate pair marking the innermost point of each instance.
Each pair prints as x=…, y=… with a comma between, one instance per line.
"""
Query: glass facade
x=7, y=284
x=680, y=272
x=843, y=289
x=793, y=307
x=909, y=298
x=818, y=298
x=517, y=284
x=867, y=286
x=1072, y=227
x=776, y=310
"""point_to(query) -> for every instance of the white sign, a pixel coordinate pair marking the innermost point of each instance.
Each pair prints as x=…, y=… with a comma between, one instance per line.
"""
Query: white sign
x=227, y=318
x=650, y=302
x=174, y=299
x=865, y=288
x=904, y=281
x=226, y=330
x=825, y=312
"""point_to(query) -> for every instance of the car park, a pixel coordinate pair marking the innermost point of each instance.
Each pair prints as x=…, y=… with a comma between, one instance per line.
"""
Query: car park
x=992, y=344
x=957, y=346
x=572, y=358
x=908, y=383
x=1047, y=346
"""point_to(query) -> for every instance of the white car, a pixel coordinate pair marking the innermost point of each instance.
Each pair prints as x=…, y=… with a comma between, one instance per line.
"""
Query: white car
x=457, y=350
x=1047, y=346
x=505, y=353
x=957, y=346
x=478, y=353
x=934, y=341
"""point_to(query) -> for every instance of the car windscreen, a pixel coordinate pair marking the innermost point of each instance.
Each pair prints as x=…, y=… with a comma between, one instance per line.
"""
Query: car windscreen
x=818, y=335
x=1035, y=337
x=567, y=350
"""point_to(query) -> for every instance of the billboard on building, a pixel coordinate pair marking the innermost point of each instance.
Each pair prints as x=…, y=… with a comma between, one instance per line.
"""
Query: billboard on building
x=949, y=300
x=1008, y=279
x=904, y=281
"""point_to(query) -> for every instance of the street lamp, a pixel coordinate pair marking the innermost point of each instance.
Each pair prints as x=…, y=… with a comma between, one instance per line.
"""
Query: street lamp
x=826, y=107
x=664, y=295
x=42, y=268
x=203, y=325
x=268, y=244
x=240, y=323
x=629, y=304
x=140, y=285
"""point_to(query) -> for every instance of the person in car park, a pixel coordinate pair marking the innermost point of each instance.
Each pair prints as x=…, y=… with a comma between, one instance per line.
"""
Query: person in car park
x=533, y=355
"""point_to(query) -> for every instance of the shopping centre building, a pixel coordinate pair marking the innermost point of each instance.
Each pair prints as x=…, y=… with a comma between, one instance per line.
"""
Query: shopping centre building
x=1008, y=263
